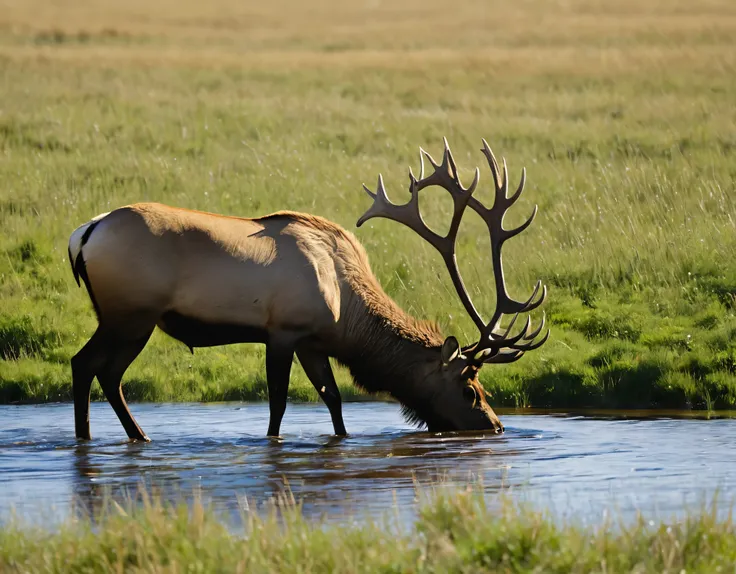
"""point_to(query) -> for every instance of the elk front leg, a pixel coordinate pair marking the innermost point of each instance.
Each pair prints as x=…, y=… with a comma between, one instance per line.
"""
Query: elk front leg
x=317, y=367
x=279, y=355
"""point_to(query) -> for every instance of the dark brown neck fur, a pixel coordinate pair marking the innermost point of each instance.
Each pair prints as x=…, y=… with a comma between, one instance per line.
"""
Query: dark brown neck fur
x=383, y=356
x=385, y=349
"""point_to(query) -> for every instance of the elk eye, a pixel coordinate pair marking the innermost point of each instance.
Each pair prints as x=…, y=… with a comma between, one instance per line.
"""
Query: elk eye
x=469, y=394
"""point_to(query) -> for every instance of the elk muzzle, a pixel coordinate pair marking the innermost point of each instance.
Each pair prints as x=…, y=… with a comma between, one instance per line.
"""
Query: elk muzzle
x=490, y=420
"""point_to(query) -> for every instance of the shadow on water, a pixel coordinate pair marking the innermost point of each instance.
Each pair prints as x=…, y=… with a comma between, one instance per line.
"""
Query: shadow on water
x=570, y=464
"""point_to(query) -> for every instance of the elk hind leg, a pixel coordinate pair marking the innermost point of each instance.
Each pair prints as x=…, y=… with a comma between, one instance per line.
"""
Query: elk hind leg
x=317, y=367
x=110, y=378
x=85, y=365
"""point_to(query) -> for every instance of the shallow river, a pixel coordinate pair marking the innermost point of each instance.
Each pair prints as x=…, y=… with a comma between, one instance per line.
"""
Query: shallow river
x=577, y=467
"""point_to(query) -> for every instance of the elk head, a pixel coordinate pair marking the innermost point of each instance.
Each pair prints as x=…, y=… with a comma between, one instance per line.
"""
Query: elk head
x=457, y=400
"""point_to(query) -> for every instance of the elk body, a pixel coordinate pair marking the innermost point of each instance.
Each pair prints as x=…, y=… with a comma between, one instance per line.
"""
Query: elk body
x=300, y=285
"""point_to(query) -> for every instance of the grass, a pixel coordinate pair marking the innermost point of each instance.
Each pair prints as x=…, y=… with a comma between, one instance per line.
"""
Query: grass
x=456, y=532
x=621, y=112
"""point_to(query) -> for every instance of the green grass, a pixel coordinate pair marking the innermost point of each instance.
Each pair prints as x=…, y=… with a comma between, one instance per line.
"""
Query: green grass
x=456, y=531
x=623, y=115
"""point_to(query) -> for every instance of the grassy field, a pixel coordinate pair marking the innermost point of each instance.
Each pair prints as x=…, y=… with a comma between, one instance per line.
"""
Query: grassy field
x=622, y=113
x=456, y=532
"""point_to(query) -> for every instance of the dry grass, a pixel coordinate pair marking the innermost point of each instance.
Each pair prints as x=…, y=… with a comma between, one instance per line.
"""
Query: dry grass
x=457, y=531
x=531, y=37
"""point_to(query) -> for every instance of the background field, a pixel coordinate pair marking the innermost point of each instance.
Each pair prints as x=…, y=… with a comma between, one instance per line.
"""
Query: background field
x=622, y=113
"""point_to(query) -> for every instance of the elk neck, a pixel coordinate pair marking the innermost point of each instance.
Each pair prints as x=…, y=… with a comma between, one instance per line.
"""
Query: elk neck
x=387, y=350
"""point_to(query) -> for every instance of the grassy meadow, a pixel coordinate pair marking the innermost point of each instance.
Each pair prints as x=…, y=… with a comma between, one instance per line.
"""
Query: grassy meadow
x=622, y=113
x=457, y=532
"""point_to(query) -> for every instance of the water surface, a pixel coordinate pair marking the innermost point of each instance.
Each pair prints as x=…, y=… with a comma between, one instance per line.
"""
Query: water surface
x=579, y=467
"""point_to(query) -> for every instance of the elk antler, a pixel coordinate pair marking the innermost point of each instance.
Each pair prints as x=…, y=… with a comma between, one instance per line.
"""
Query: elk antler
x=489, y=348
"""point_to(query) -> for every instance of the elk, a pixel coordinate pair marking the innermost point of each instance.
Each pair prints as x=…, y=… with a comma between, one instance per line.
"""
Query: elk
x=300, y=285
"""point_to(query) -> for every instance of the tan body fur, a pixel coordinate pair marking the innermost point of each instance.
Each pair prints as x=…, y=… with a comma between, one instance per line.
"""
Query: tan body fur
x=296, y=282
x=274, y=274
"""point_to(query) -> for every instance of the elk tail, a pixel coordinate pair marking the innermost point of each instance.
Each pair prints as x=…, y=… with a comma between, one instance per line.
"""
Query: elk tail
x=77, y=241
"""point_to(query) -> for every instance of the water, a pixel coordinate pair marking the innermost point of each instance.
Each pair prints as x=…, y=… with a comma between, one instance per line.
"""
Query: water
x=575, y=467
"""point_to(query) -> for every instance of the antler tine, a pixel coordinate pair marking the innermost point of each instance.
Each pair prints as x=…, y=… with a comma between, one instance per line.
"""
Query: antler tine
x=532, y=346
x=492, y=163
x=516, y=353
x=508, y=234
x=510, y=342
x=502, y=357
x=530, y=306
x=426, y=154
x=527, y=342
x=530, y=303
x=369, y=192
x=538, y=330
x=381, y=203
x=505, y=305
x=522, y=181
x=407, y=214
x=449, y=161
x=511, y=325
x=445, y=173
x=516, y=348
x=505, y=189
x=504, y=341
x=473, y=184
x=414, y=180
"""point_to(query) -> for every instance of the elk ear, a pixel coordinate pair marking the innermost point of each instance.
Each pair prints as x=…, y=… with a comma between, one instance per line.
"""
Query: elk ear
x=450, y=350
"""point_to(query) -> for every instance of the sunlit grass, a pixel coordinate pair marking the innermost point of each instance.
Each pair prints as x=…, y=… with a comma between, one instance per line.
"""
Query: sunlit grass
x=622, y=114
x=455, y=531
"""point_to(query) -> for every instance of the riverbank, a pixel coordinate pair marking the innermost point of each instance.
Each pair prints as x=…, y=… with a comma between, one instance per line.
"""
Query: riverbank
x=457, y=531
x=622, y=115
x=594, y=360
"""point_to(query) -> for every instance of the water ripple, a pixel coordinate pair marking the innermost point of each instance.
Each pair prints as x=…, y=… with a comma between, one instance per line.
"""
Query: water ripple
x=575, y=465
